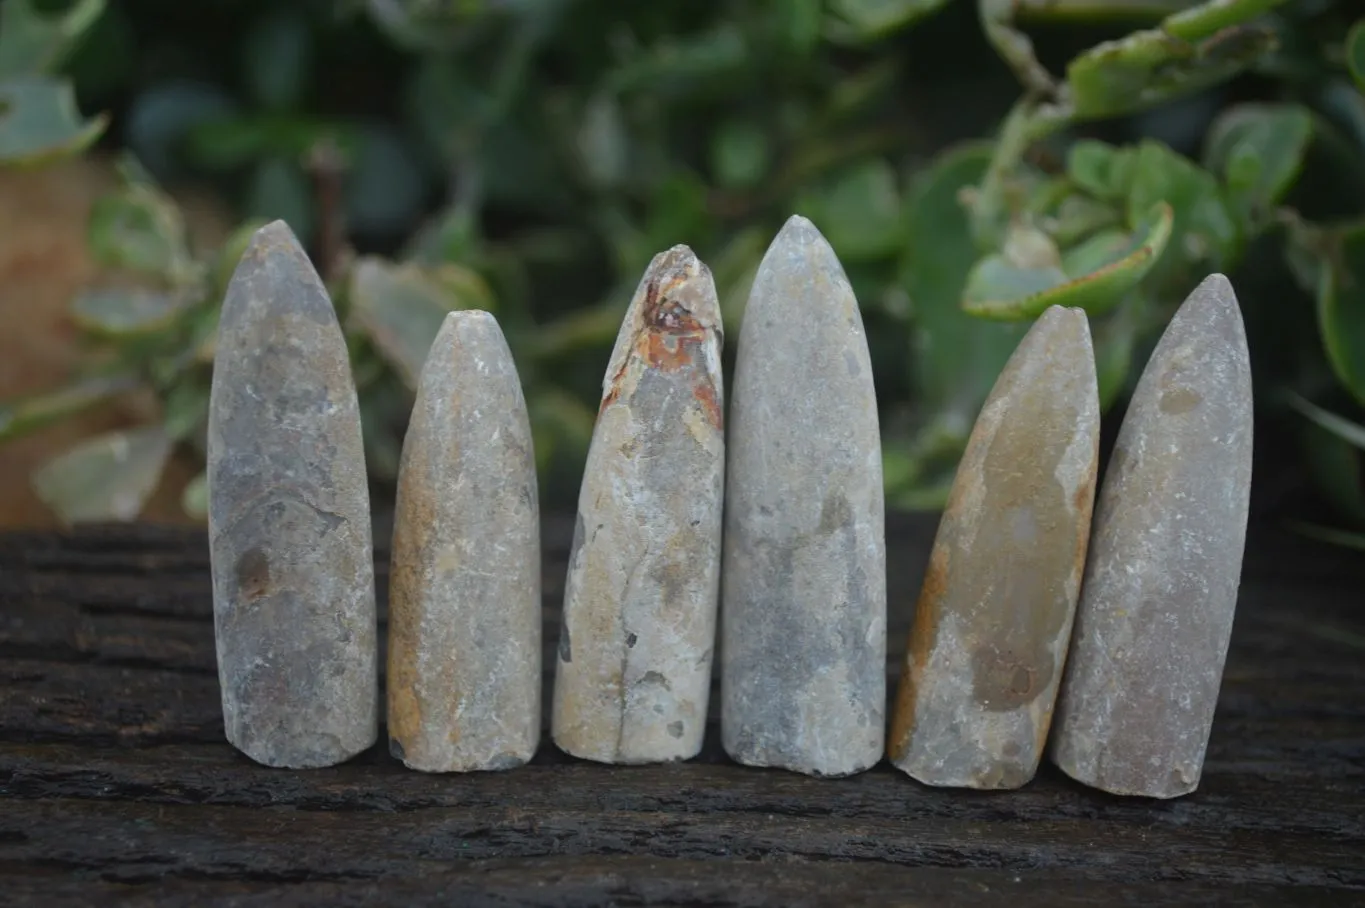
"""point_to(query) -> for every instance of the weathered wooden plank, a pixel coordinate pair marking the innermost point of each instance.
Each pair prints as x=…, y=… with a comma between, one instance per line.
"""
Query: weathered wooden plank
x=205, y=774
x=215, y=840
x=106, y=639
x=628, y=880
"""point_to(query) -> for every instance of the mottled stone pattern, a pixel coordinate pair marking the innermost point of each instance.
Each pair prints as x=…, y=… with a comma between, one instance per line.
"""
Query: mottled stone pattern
x=1161, y=582
x=994, y=616
x=289, y=518
x=635, y=650
x=464, y=673
x=803, y=616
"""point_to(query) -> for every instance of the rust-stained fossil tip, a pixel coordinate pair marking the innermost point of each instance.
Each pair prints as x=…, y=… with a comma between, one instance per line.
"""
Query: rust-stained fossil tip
x=679, y=259
x=641, y=593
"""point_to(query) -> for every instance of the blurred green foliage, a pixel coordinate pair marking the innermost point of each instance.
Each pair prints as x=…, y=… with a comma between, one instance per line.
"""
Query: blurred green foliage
x=38, y=118
x=971, y=164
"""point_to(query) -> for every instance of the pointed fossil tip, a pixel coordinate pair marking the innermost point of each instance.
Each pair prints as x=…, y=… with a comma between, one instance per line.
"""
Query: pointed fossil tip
x=278, y=227
x=275, y=233
x=1216, y=289
x=1064, y=320
x=677, y=262
x=1213, y=303
x=274, y=272
x=800, y=230
x=468, y=317
x=463, y=327
x=671, y=269
x=800, y=244
x=1056, y=313
x=271, y=239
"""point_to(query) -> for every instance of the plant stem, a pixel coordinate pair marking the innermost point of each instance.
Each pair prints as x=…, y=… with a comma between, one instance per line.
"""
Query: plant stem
x=327, y=168
x=1027, y=122
x=29, y=414
x=1014, y=47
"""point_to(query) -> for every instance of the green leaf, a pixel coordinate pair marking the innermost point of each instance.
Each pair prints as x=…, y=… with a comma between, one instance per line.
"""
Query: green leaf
x=140, y=229
x=1331, y=461
x=1204, y=236
x=1089, y=12
x=277, y=52
x=739, y=154
x=117, y=312
x=1028, y=276
x=1330, y=535
x=32, y=43
x=186, y=410
x=602, y=141
x=1343, y=428
x=799, y=23
x=160, y=122
x=383, y=407
x=1355, y=52
x=859, y=212
x=39, y=122
x=1115, y=336
x=561, y=427
x=279, y=190
x=956, y=357
x=998, y=285
x=1101, y=169
x=401, y=308
x=1341, y=310
x=106, y=478
x=676, y=64
x=385, y=185
x=421, y=25
x=28, y=414
x=1154, y=66
x=1079, y=216
x=734, y=269
x=1214, y=16
x=1258, y=151
x=451, y=236
x=194, y=499
x=583, y=328
x=678, y=213
x=868, y=20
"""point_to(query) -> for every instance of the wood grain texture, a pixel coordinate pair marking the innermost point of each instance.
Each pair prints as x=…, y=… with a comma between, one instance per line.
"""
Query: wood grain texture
x=117, y=786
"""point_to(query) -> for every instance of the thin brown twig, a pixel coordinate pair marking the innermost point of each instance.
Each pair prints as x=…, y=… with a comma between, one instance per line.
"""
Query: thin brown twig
x=327, y=167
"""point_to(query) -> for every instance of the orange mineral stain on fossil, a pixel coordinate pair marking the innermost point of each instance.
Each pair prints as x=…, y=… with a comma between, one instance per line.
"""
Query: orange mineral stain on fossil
x=705, y=393
x=641, y=594
x=921, y=644
x=669, y=338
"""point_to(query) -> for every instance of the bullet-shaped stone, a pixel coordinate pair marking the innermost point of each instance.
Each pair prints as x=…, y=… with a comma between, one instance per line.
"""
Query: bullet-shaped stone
x=993, y=620
x=639, y=623
x=1165, y=561
x=803, y=615
x=464, y=652
x=289, y=518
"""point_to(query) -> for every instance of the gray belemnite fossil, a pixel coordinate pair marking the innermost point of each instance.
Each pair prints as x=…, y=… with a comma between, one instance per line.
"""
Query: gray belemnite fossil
x=289, y=518
x=1161, y=581
x=803, y=613
x=994, y=615
x=633, y=675
x=464, y=652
